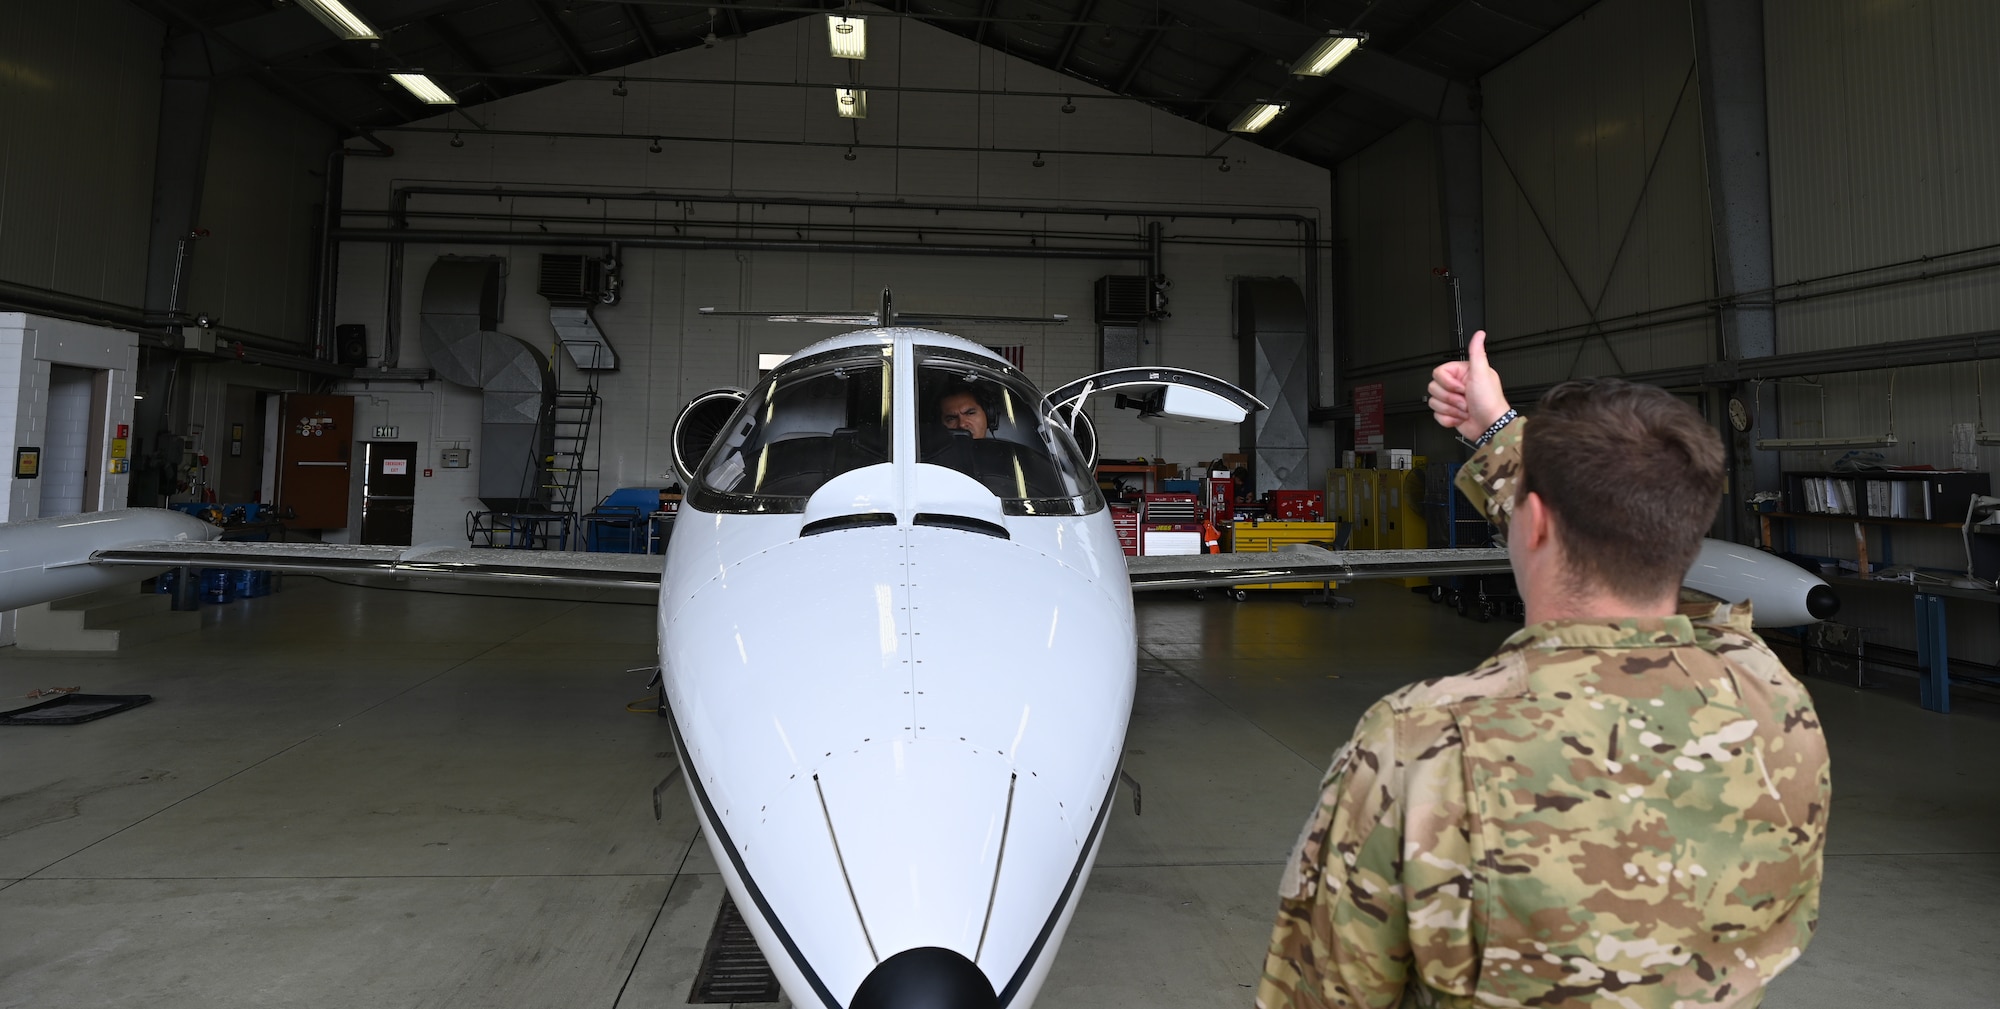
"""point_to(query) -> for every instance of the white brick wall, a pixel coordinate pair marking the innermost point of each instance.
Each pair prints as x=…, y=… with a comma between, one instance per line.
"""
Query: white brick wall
x=30, y=347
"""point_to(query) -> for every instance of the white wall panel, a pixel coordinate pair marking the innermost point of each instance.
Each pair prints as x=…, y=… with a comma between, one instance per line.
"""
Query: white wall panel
x=79, y=100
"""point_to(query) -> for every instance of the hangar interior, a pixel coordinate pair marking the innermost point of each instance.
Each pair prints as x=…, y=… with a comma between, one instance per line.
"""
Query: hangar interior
x=218, y=216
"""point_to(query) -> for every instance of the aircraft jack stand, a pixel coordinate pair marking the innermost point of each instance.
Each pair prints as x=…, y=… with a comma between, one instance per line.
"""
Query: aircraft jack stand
x=1134, y=782
x=1325, y=597
x=661, y=789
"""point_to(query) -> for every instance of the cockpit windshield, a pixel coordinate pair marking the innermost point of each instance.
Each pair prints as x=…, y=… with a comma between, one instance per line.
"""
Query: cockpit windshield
x=983, y=418
x=807, y=423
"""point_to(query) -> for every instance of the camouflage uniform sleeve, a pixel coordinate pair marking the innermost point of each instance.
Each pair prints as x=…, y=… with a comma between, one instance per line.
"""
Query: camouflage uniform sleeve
x=1488, y=479
x=1342, y=935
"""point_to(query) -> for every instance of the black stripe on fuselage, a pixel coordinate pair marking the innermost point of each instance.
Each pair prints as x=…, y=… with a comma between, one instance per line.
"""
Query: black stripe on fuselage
x=791, y=948
x=1048, y=927
x=743, y=872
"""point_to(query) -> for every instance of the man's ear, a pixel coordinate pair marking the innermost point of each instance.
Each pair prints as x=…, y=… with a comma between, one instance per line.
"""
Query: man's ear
x=1540, y=522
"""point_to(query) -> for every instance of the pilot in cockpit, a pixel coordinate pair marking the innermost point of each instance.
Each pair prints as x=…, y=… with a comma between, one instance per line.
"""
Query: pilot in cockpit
x=961, y=410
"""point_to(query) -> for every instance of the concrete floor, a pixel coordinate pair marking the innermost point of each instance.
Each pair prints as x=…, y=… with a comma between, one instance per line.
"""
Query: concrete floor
x=346, y=797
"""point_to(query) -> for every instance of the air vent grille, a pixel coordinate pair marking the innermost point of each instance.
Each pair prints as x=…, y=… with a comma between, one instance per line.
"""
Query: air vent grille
x=570, y=279
x=1123, y=298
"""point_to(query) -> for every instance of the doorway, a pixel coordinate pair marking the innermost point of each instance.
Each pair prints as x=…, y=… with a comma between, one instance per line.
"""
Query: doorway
x=72, y=441
x=240, y=478
x=388, y=492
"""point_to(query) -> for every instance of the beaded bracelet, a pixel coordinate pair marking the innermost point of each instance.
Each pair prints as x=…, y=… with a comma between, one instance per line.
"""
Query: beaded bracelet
x=1505, y=419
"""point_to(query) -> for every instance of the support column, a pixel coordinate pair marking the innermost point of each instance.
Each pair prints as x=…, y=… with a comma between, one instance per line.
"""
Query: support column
x=180, y=164
x=180, y=161
x=1461, y=197
x=1729, y=57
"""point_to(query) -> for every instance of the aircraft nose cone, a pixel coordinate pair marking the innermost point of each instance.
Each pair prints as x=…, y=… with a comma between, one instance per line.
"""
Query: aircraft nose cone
x=928, y=977
x=1821, y=602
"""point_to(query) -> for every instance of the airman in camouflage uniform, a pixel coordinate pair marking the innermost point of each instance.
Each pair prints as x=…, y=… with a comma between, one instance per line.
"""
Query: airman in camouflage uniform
x=1608, y=812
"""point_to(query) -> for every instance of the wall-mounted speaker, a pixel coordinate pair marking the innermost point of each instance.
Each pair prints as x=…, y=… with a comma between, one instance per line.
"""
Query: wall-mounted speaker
x=350, y=345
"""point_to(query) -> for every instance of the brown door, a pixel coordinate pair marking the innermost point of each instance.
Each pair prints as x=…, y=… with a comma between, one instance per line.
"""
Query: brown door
x=314, y=460
x=389, y=492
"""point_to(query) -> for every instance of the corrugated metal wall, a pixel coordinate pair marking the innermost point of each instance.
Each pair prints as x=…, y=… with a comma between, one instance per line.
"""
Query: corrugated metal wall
x=1596, y=210
x=1596, y=198
x=1884, y=151
x=1885, y=187
x=669, y=353
x=79, y=103
x=265, y=181
x=1390, y=215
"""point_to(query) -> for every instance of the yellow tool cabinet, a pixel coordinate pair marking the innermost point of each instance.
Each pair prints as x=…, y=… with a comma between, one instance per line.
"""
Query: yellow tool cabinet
x=1386, y=507
x=1263, y=537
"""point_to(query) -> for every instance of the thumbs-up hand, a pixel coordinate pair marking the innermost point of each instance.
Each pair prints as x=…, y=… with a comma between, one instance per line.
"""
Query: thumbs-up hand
x=1466, y=396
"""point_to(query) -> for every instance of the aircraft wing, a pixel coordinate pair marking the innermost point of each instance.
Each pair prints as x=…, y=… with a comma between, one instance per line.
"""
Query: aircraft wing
x=633, y=572
x=1307, y=564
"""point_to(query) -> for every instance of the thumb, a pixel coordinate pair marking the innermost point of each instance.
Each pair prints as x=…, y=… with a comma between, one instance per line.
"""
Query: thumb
x=1475, y=352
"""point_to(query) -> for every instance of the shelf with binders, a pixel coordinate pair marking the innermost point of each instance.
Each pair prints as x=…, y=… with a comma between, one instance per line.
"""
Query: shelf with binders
x=1913, y=495
x=1882, y=500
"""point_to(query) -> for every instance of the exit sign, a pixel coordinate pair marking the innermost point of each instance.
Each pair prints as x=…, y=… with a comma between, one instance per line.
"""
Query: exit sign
x=385, y=431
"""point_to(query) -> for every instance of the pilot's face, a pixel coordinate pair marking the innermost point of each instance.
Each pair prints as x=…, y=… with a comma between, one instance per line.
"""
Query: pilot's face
x=961, y=412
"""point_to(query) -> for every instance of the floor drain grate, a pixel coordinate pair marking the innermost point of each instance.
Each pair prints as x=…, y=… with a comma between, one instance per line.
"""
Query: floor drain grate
x=732, y=967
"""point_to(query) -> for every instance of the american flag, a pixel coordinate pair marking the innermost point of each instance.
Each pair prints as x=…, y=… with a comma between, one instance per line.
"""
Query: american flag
x=1016, y=355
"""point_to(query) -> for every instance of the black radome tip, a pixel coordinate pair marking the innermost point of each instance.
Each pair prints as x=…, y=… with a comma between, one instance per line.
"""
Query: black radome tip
x=928, y=977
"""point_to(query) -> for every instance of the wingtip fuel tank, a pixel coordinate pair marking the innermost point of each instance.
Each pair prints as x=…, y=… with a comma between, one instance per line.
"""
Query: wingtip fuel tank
x=42, y=560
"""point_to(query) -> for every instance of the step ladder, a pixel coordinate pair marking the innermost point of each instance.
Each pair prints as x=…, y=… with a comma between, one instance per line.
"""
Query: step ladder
x=574, y=453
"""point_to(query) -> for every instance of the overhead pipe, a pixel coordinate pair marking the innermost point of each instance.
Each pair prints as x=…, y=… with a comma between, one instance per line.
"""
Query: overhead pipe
x=256, y=348
x=400, y=236
x=1308, y=226
x=401, y=195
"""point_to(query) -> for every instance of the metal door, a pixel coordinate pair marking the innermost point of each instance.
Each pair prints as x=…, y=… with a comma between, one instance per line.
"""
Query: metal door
x=315, y=460
x=388, y=492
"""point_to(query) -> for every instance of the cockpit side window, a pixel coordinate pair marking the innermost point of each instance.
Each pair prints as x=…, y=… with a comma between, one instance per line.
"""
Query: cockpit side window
x=984, y=419
x=805, y=424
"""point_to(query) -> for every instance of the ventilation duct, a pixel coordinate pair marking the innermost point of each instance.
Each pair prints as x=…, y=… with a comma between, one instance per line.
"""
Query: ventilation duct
x=573, y=283
x=460, y=308
x=1273, y=337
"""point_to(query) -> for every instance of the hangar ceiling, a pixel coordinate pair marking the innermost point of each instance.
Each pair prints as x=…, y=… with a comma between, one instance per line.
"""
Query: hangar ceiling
x=1205, y=60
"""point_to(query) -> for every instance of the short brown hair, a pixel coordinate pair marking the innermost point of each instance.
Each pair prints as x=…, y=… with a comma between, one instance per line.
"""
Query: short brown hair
x=1633, y=476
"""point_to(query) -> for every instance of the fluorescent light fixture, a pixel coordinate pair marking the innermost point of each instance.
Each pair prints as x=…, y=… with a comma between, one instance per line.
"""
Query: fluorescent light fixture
x=852, y=102
x=1326, y=54
x=338, y=19
x=765, y=362
x=425, y=89
x=849, y=37
x=1814, y=444
x=1256, y=117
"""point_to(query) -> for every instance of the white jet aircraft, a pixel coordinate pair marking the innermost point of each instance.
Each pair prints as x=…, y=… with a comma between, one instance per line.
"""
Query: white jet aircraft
x=896, y=648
